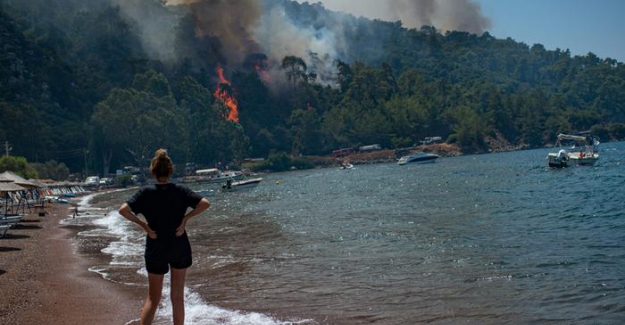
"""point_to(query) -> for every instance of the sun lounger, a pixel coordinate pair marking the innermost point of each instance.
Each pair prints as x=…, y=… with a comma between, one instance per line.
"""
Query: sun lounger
x=7, y=222
x=10, y=220
x=3, y=230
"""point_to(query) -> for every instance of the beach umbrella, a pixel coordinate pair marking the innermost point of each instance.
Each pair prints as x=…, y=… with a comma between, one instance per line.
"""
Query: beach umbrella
x=17, y=179
x=6, y=187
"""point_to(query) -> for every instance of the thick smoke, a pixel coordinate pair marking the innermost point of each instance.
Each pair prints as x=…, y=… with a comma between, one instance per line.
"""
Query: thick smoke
x=227, y=22
x=156, y=25
x=240, y=30
x=279, y=37
x=463, y=15
x=246, y=28
x=445, y=15
x=230, y=22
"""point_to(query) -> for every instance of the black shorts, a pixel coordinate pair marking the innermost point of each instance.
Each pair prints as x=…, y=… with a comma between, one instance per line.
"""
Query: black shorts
x=159, y=258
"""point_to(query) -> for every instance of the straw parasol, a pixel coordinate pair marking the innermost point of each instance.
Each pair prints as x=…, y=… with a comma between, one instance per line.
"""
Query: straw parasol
x=10, y=187
x=19, y=180
x=6, y=186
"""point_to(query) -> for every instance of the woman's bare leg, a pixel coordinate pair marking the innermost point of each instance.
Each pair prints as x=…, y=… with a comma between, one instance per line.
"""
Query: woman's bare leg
x=155, y=289
x=177, y=294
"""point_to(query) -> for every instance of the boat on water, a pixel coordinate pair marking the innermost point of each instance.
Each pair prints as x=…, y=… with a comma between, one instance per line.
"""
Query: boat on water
x=418, y=157
x=212, y=175
x=583, y=152
x=231, y=186
x=346, y=165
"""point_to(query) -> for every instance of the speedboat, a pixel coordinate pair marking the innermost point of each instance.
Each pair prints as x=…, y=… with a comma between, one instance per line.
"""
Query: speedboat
x=240, y=185
x=418, y=157
x=213, y=175
x=346, y=166
x=586, y=154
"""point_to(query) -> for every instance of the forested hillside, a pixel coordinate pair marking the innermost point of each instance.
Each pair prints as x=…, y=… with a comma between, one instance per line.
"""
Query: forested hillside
x=100, y=84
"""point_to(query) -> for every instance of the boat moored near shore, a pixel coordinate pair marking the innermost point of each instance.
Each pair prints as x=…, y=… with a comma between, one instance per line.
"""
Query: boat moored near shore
x=418, y=157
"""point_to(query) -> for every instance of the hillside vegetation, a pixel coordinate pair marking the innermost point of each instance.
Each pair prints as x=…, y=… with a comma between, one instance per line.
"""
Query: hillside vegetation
x=81, y=84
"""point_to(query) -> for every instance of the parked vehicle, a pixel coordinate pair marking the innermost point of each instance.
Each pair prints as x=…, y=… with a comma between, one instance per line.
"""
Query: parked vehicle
x=92, y=181
x=107, y=181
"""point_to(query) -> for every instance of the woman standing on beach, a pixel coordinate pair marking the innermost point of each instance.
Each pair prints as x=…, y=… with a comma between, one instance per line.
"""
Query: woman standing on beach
x=164, y=206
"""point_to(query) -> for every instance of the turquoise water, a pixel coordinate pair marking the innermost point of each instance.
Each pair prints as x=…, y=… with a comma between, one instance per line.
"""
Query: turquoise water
x=486, y=239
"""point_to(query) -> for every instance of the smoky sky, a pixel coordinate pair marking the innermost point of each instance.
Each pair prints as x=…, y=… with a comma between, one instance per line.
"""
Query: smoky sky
x=245, y=28
x=445, y=15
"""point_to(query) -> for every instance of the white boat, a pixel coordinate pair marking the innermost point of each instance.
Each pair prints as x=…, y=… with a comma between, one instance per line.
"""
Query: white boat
x=418, y=157
x=346, y=165
x=584, y=152
x=231, y=186
x=213, y=175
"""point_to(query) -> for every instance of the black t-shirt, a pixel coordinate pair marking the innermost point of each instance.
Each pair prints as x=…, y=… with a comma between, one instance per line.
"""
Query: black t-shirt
x=164, y=206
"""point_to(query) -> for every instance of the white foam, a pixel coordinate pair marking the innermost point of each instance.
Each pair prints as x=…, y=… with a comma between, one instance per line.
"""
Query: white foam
x=126, y=250
x=199, y=312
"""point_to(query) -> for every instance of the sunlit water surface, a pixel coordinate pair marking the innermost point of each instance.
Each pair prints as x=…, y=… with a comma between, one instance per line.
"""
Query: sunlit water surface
x=486, y=239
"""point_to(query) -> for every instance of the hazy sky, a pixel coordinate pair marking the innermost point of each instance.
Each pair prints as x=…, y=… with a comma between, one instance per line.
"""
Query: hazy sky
x=581, y=26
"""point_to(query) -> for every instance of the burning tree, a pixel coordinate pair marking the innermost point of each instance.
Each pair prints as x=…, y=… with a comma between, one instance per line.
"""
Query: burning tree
x=224, y=94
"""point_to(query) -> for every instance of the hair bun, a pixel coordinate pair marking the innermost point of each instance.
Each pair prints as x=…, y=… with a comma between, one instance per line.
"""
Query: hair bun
x=161, y=153
x=161, y=165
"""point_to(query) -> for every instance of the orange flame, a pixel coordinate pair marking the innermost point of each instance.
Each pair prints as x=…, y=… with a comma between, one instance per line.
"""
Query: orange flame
x=228, y=100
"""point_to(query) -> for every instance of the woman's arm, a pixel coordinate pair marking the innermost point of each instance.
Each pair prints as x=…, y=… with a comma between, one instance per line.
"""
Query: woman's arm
x=201, y=207
x=126, y=212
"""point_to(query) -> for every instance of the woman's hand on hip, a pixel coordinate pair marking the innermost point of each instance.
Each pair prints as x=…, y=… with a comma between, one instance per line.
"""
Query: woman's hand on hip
x=151, y=233
x=180, y=230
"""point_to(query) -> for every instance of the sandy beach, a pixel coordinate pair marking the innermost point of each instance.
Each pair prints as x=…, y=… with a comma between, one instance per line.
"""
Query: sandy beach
x=44, y=280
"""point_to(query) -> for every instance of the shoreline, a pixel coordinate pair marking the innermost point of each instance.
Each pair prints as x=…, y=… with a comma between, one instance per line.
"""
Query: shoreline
x=45, y=280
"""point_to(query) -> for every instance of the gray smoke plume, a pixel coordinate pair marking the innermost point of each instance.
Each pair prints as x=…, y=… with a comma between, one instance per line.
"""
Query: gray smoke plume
x=245, y=28
x=156, y=26
x=463, y=15
x=280, y=36
x=229, y=21
x=445, y=15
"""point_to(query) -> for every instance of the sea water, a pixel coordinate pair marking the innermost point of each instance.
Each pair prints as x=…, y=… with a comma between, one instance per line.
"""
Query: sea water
x=482, y=239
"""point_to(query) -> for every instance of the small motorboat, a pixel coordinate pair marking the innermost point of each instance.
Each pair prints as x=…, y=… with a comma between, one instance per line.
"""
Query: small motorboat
x=418, y=157
x=240, y=185
x=346, y=165
x=586, y=154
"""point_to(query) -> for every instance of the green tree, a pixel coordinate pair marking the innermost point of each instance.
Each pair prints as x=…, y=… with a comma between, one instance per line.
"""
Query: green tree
x=470, y=129
x=138, y=122
x=617, y=131
x=407, y=118
x=305, y=129
x=295, y=69
x=18, y=165
x=154, y=83
x=52, y=170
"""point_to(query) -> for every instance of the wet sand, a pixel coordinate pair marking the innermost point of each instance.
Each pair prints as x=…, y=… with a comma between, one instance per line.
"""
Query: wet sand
x=44, y=280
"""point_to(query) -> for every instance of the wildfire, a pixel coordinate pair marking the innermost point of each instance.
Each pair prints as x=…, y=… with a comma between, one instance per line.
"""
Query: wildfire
x=261, y=70
x=227, y=99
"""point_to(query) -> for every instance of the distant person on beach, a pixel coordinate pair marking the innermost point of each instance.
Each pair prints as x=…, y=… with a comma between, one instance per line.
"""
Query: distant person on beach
x=164, y=206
